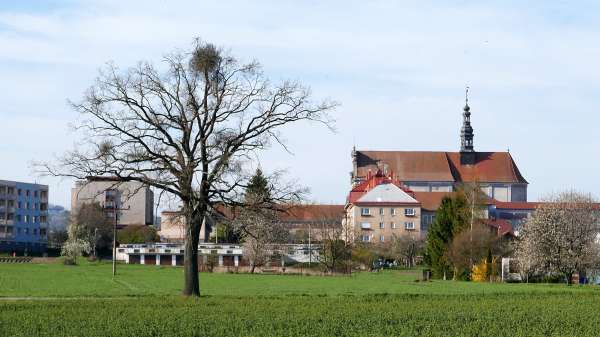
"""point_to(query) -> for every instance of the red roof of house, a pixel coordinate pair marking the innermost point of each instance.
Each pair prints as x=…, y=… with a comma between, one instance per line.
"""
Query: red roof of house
x=306, y=213
x=441, y=166
x=502, y=226
x=372, y=181
x=516, y=205
x=431, y=201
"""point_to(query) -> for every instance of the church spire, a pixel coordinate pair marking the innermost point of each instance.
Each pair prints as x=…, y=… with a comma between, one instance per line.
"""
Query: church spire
x=466, y=132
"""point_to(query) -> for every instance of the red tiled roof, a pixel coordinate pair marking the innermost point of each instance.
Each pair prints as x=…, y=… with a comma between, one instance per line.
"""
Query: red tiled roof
x=516, y=205
x=498, y=167
x=304, y=213
x=441, y=166
x=503, y=227
x=431, y=201
x=407, y=165
x=372, y=181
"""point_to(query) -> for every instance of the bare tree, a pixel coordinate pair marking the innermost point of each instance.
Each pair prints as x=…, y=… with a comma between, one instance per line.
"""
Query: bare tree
x=185, y=128
x=322, y=228
x=472, y=245
x=262, y=231
x=406, y=248
x=560, y=237
x=89, y=223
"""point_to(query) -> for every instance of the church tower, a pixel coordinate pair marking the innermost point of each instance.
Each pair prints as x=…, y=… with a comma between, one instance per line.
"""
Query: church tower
x=467, y=150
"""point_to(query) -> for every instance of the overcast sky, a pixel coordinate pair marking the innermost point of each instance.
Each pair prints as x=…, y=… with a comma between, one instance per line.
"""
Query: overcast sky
x=399, y=69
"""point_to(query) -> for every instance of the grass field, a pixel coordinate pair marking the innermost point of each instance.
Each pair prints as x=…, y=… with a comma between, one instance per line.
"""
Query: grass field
x=143, y=301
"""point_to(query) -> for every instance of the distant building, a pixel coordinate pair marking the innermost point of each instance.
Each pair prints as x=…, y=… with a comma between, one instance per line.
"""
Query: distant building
x=308, y=222
x=379, y=209
x=23, y=217
x=172, y=227
x=424, y=171
x=135, y=197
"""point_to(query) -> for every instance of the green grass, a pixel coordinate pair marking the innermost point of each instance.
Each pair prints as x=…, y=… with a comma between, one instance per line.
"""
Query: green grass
x=143, y=301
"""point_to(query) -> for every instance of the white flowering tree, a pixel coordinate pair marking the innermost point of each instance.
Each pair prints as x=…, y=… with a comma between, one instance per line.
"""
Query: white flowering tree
x=74, y=248
x=560, y=238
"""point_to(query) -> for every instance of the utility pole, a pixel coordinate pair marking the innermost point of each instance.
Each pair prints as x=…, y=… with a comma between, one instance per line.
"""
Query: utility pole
x=309, y=248
x=116, y=210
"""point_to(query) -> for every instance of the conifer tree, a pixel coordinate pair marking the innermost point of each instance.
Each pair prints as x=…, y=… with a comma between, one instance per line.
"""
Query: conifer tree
x=450, y=219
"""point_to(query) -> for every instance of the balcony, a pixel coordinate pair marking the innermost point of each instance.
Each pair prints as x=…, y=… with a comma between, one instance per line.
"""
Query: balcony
x=7, y=222
x=6, y=235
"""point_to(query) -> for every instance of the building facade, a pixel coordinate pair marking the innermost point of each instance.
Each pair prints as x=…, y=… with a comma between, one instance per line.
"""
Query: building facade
x=380, y=209
x=424, y=171
x=132, y=201
x=23, y=217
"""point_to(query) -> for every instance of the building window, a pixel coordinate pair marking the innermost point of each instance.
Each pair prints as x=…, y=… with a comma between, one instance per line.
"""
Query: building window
x=19, y=218
x=365, y=225
x=381, y=238
x=393, y=225
x=365, y=238
x=393, y=211
x=381, y=225
x=26, y=193
x=409, y=211
x=381, y=211
x=26, y=230
x=409, y=225
x=35, y=231
x=365, y=211
x=19, y=192
x=35, y=194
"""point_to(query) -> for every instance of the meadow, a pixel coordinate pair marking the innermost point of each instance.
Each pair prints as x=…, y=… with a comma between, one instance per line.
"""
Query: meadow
x=84, y=300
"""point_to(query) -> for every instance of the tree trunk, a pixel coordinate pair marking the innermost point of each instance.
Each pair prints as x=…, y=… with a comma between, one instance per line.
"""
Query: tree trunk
x=190, y=261
x=253, y=265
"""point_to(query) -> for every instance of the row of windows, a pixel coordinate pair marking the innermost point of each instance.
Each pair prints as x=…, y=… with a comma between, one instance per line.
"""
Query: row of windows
x=409, y=225
x=365, y=211
x=26, y=205
x=26, y=231
x=367, y=238
x=11, y=190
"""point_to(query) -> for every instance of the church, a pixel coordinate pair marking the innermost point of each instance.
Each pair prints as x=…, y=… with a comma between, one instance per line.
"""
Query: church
x=431, y=171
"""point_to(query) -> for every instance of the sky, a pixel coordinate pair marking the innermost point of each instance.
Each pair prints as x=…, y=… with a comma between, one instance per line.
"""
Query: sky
x=398, y=68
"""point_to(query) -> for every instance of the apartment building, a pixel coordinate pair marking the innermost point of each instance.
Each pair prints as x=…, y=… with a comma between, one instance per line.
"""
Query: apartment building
x=132, y=201
x=23, y=217
x=379, y=210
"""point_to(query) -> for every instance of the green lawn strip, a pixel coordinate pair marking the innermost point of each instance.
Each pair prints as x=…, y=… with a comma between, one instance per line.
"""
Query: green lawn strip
x=533, y=314
x=95, y=280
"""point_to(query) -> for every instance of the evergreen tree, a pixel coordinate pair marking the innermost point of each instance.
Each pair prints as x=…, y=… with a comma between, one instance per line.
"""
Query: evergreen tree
x=257, y=192
x=450, y=219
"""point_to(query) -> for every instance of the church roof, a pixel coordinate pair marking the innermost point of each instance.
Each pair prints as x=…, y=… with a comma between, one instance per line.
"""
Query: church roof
x=386, y=193
x=498, y=167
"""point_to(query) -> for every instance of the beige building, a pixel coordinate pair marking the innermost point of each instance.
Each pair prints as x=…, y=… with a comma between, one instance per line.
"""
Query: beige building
x=172, y=227
x=134, y=200
x=379, y=210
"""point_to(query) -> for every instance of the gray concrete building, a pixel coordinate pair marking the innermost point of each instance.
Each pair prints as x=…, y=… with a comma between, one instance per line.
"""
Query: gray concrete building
x=23, y=217
x=133, y=201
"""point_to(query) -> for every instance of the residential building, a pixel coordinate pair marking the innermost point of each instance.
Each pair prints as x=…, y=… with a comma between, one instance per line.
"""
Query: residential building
x=132, y=200
x=422, y=171
x=379, y=209
x=311, y=222
x=23, y=217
